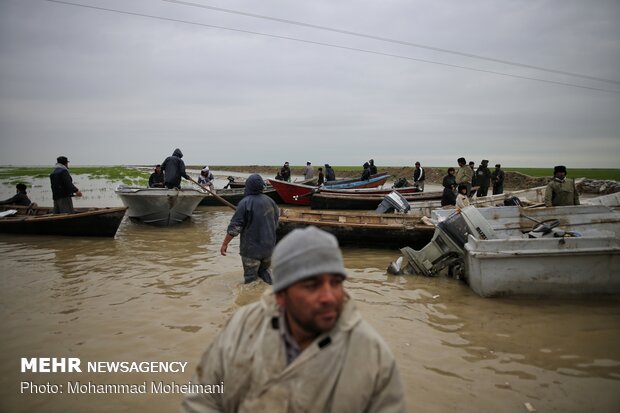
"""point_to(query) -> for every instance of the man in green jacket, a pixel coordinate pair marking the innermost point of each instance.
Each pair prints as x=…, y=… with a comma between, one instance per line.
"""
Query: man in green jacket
x=303, y=347
x=561, y=190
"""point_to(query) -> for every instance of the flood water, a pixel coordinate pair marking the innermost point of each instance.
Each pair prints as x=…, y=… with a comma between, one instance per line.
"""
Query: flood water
x=161, y=294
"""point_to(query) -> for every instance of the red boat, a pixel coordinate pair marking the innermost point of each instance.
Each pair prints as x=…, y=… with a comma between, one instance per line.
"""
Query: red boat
x=298, y=194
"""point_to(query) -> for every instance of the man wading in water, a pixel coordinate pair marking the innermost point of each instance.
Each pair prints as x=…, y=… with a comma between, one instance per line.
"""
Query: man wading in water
x=303, y=347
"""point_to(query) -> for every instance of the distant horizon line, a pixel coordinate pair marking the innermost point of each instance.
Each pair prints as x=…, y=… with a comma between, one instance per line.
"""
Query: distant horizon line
x=293, y=165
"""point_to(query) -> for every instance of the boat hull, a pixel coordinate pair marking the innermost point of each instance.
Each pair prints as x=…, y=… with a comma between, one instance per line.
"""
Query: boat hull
x=543, y=267
x=85, y=222
x=300, y=194
x=157, y=206
x=360, y=228
x=355, y=201
x=234, y=196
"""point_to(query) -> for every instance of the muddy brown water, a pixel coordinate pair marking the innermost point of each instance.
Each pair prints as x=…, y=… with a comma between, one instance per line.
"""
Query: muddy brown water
x=161, y=294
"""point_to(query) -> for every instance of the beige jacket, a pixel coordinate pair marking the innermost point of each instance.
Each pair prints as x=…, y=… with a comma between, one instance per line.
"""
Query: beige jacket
x=561, y=193
x=464, y=175
x=349, y=369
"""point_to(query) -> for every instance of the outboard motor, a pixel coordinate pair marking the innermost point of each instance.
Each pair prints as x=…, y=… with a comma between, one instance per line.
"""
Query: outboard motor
x=447, y=247
x=394, y=201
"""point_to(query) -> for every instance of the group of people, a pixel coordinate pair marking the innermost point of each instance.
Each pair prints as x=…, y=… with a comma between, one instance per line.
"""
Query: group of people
x=458, y=183
x=284, y=174
x=169, y=173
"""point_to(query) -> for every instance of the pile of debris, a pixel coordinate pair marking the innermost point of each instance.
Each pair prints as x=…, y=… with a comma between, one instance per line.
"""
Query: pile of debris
x=598, y=186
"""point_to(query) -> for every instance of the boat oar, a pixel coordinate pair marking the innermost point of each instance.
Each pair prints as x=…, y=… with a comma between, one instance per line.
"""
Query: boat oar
x=219, y=198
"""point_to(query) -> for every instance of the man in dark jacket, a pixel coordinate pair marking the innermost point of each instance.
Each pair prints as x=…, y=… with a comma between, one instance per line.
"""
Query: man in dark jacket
x=497, y=178
x=483, y=178
x=256, y=219
x=285, y=172
x=62, y=187
x=373, y=168
x=174, y=169
x=366, y=172
x=20, y=198
x=419, y=177
x=330, y=175
x=156, y=180
x=449, y=188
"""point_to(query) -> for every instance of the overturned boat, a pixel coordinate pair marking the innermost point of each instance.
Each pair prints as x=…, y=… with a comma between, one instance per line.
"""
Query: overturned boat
x=160, y=206
x=505, y=251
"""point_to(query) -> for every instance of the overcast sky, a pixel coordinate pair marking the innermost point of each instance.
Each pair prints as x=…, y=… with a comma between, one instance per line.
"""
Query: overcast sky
x=110, y=88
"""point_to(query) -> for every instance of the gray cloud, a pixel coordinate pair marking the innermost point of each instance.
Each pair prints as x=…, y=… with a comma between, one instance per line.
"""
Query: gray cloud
x=109, y=88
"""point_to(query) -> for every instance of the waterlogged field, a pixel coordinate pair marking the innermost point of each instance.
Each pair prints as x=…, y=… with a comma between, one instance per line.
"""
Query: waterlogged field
x=125, y=174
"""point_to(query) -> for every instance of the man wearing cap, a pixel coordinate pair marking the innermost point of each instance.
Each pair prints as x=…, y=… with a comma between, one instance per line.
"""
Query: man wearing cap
x=308, y=171
x=419, y=177
x=256, y=219
x=561, y=190
x=302, y=347
x=483, y=178
x=62, y=187
x=206, y=178
x=174, y=168
x=497, y=177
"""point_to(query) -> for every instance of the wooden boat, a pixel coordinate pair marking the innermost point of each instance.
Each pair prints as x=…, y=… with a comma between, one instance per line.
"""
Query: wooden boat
x=300, y=194
x=368, y=191
x=160, y=206
x=85, y=222
x=360, y=228
x=361, y=201
x=349, y=180
x=235, y=195
x=573, y=250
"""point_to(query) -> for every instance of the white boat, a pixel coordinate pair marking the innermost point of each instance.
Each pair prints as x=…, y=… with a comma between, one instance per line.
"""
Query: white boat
x=573, y=250
x=530, y=196
x=160, y=206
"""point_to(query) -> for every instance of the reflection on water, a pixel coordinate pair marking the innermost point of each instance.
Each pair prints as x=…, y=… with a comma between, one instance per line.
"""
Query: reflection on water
x=155, y=293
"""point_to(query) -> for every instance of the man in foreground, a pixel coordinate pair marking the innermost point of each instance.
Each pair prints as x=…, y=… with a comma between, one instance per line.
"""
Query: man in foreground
x=561, y=190
x=62, y=187
x=303, y=347
x=256, y=219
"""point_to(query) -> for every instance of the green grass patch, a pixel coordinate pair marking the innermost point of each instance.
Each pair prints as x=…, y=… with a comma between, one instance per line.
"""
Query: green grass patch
x=127, y=175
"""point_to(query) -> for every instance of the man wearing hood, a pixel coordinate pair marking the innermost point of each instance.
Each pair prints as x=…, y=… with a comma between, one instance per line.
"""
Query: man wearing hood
x=174, y=169
x=561, y=190
x=256, y=219
x=304, y=347
x=366, y=172
x=330, y=175
x=62, y=187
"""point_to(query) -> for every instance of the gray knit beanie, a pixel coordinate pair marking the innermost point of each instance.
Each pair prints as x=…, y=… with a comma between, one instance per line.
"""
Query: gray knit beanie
x=304, y=253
